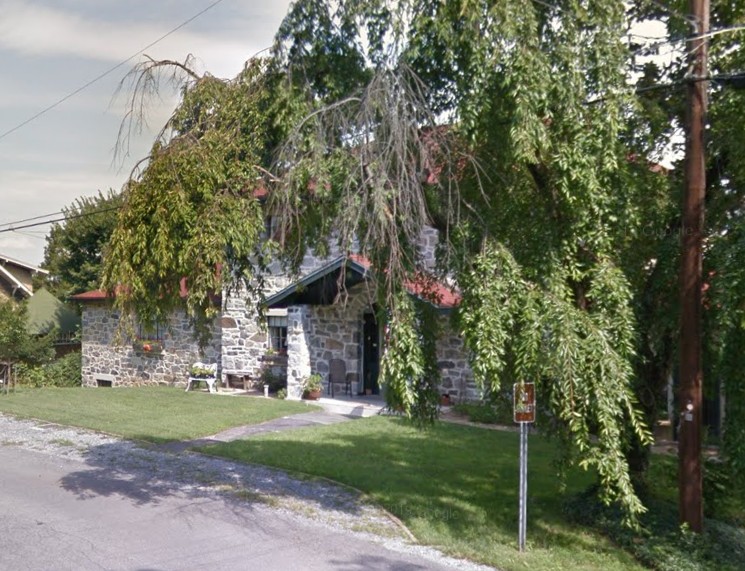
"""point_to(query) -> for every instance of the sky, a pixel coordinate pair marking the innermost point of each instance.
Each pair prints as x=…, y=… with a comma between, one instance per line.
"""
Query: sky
x=51, y=48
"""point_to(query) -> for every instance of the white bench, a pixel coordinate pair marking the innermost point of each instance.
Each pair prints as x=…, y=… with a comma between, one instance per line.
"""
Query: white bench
x=210, y=380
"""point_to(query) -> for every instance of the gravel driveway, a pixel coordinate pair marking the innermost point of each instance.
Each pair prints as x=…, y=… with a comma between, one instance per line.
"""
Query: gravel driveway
x=149, y=473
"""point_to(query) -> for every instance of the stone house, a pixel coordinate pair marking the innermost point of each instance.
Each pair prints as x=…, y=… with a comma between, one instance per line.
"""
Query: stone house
x=308, y=324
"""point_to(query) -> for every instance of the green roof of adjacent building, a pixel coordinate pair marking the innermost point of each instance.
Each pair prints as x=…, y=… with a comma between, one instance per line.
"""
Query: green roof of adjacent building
x=46, y=312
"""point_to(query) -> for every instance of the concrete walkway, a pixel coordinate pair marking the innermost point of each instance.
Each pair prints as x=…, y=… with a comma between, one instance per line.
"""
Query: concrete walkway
x=276, y=425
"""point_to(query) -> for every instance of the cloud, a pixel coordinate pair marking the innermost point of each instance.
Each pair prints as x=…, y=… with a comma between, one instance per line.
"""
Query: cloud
x=33, y=29
x=49, y=48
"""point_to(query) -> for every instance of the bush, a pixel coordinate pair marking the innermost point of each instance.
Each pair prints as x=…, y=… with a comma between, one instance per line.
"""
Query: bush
x=661, y=543
x=496, y=412
x=275, y=381
x=64, y=372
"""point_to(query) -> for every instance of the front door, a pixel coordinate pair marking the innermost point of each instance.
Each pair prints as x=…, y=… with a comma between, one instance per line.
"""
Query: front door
x=370, y=354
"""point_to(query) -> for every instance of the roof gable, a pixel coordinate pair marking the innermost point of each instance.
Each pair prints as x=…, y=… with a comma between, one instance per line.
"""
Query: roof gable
x=322, y=286
x=46, y=312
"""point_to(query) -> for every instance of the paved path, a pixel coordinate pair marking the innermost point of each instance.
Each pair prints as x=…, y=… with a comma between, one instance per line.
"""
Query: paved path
x=292, y=422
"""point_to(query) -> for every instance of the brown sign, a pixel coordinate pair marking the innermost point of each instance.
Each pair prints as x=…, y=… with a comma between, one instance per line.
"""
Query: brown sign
x=524, y=402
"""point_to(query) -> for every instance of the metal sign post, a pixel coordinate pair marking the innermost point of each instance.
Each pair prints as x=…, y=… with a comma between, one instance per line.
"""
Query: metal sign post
x=524, y=413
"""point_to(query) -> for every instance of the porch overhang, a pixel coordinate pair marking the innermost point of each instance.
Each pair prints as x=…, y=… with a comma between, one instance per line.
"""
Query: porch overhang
x=322, y=286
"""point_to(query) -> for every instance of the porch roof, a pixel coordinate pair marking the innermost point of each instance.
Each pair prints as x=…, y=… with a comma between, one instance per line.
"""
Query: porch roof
x=322, y=286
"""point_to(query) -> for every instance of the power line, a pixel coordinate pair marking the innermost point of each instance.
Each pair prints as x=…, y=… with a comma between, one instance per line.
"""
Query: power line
x=63, y=219
x=33, y=218
x=107, y=72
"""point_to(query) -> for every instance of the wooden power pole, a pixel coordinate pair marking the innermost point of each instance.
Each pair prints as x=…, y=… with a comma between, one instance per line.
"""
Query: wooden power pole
x=691, y=375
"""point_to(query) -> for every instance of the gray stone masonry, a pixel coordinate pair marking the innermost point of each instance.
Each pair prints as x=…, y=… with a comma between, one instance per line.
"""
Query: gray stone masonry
x=335, y=331
x=244, y=340
x=108, y=363
x=456, y=377
x=298, y=356
x=316, y=334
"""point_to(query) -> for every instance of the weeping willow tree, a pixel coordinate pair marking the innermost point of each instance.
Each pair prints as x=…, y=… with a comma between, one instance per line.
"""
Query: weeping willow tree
x=507, y=125
x=190, y=220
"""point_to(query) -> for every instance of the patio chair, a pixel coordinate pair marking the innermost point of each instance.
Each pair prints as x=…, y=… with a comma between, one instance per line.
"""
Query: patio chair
x=338, y=374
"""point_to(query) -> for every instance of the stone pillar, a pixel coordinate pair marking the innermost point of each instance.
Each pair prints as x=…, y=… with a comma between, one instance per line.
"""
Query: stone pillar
x=298, y=351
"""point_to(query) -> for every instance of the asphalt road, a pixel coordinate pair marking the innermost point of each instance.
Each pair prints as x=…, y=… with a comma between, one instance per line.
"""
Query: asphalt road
x=49, y=521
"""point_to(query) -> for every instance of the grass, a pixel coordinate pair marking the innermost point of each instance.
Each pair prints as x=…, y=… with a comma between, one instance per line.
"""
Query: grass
x=150, y=414
x=455, y=487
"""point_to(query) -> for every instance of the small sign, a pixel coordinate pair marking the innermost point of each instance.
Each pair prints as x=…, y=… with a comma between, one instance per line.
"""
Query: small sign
x=524, y=402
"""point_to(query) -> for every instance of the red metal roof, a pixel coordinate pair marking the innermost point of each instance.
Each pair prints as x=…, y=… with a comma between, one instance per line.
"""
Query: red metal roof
x=423, y=286
x=94, y=295
x=99, y=294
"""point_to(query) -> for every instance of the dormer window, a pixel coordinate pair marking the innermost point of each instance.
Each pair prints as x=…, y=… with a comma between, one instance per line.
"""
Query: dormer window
x=271, y=227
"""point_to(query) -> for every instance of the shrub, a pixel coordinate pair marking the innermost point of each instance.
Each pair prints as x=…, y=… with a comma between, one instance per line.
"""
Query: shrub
x=275, y=381
x=661, y=543
x=64, y=372
x=495, y=412
x=282, y=394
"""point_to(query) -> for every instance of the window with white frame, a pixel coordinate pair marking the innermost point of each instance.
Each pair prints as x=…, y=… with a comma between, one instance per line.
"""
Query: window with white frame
x=277, y=324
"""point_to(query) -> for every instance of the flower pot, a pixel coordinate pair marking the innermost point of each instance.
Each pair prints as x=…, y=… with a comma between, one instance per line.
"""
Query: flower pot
x=445, y=400
x=312, y=395
x=148, y=347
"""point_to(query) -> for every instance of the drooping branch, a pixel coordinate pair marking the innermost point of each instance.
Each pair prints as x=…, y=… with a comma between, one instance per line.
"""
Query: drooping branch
x=143, y=84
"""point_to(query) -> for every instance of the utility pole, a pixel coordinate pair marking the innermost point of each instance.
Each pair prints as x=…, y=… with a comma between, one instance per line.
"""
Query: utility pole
x=691, y=374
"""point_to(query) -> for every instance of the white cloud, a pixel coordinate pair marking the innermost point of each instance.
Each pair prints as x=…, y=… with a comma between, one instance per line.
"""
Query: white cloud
x=49, y=48
x=33, y=29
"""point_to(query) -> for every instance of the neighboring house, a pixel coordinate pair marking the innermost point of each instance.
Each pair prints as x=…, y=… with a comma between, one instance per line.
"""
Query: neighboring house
x=307, y=325
x=45, y=313
x=16, y=278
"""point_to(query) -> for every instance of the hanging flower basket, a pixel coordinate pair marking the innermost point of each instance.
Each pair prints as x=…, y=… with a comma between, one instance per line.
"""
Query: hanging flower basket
x=148, y=346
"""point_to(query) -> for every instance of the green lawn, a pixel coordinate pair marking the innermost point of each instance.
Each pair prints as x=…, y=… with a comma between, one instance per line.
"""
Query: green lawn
x=151, y=414
x=455, y=487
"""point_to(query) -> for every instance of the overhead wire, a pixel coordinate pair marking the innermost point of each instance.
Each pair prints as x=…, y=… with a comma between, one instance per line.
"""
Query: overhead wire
x=107, y=72
x=41, y=216
x=13, y=228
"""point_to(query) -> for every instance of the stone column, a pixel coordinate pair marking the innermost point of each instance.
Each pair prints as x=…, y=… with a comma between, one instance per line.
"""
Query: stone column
x=298, y=351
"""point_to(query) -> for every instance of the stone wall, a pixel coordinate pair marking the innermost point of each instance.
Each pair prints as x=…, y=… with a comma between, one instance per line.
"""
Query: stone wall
x=337, y=334
x=455, y=373
x=244, y=340
x=428, y=240
x=320, y=333
x=240, y=342
x=107, y=363
x=298, y=355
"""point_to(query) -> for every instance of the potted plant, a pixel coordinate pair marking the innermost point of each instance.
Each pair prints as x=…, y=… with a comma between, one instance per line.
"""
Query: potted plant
x=312, y=387
x=199, y=371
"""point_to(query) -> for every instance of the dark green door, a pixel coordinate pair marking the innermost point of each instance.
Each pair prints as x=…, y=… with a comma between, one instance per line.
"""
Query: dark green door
x=370, y=354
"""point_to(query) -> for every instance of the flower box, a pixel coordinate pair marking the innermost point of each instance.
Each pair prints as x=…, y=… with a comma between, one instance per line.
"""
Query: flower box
x=148, y=346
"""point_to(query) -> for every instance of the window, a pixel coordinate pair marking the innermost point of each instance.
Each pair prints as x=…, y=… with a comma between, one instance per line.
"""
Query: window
x=152, y=331
x=271, y=227
x=277, y=333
